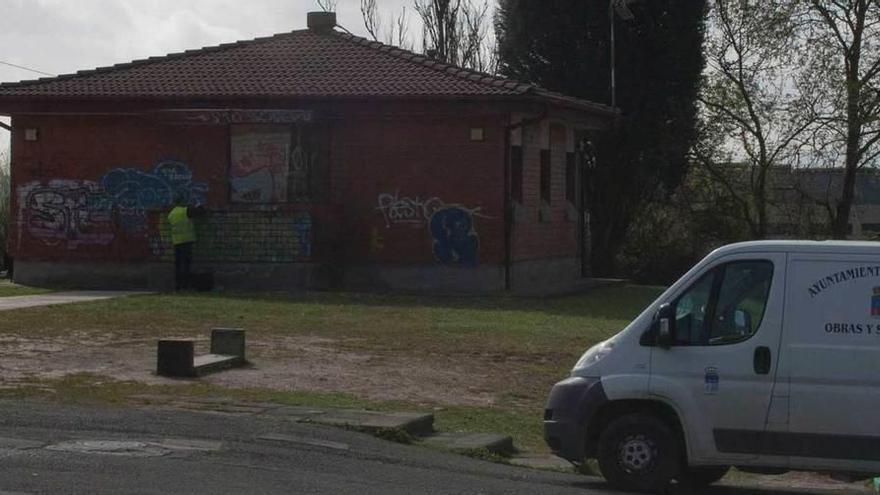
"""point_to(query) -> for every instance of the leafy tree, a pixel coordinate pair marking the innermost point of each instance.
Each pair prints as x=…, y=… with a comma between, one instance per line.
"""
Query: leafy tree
x=756, y=106
x=564, y=46
x=842, y=38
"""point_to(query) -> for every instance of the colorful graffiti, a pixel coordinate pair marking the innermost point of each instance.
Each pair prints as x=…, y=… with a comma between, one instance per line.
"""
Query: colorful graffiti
x=259, y=169
x=134, y=192
x=80, y=212
x=454, y=239
x=67, y=213
x=453, y=233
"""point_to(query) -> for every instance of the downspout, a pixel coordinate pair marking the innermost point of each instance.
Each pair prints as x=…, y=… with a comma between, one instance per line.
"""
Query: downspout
x=508, y=214
x=508, y=203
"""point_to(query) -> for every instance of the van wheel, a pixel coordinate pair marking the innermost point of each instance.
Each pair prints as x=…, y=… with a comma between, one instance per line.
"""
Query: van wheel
x=639, y=452
x=701, y=476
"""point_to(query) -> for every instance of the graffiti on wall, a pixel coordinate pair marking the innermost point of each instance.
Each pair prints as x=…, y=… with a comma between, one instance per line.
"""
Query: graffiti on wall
x=134, y=192
x=67, y=213
x=454, y=239
x=453, y=232
x=80, y=212
x=259, y=169
x=397, y=209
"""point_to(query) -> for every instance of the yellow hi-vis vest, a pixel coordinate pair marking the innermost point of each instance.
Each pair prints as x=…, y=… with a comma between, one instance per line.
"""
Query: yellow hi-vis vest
x=182, y=228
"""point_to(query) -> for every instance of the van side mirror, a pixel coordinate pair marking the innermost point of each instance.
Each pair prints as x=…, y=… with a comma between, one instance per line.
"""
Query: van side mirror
x=665, y=323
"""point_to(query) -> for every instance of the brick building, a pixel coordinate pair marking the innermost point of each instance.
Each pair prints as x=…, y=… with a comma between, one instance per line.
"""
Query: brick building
x=325, y=160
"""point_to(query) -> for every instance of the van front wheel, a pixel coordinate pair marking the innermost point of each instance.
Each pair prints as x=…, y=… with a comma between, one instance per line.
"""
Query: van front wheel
x=639, y=452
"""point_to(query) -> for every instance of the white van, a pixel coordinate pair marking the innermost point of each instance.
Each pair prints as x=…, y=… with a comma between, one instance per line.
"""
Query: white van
x=764, y=356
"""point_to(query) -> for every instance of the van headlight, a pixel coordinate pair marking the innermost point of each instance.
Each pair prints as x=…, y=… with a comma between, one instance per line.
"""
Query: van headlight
x=595, y=354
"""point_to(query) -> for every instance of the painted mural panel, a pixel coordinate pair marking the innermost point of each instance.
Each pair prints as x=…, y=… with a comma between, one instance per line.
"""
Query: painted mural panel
x=260, y=163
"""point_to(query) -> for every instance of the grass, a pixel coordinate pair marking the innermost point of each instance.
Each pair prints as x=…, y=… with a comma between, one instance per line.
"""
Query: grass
x=8, y=289
x=529, y=343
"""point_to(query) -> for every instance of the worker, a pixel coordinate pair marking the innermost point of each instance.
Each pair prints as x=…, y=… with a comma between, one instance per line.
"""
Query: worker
x=183, y=236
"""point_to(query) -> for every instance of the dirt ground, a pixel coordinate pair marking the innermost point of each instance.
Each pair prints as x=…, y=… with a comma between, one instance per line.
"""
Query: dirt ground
x=282, y=363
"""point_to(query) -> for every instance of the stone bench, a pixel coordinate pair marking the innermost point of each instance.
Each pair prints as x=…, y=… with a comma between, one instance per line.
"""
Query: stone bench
x=176, y=357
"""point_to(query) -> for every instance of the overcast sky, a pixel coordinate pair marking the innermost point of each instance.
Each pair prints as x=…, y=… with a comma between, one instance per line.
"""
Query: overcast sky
x=63, y=36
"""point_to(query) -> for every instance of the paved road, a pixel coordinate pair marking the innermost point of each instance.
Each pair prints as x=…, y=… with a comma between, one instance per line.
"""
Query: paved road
x=49, y=448
x=18, y=302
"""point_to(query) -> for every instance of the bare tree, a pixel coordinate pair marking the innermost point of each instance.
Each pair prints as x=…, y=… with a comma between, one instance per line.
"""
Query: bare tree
x=752, y=102
x=457, y=32
x=843, y=37
x=396, y=34
x=327, y=5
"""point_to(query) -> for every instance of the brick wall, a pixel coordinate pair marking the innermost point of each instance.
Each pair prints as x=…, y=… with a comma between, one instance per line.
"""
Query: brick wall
x=411, y=189
x=540, y=229
x=418, y=190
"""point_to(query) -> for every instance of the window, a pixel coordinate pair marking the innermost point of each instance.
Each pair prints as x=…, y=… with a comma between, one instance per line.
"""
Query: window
x=725, y=305
x=278, y=163
x=690, y=311
x=516, y=174
x=545, y=177
x=741, y=298
x=570, y=179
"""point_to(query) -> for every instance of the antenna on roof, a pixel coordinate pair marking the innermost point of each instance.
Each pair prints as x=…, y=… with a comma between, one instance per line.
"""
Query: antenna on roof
x=26, y=68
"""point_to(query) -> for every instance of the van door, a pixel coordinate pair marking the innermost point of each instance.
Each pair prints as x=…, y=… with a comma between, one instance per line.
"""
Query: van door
x=720, y=371
x=831, y=363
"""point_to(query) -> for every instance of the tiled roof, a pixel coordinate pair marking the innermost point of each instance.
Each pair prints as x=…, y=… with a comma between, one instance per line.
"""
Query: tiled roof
x=298, y=64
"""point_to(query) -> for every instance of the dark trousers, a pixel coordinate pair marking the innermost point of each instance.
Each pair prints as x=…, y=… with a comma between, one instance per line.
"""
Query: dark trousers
x=183, y=254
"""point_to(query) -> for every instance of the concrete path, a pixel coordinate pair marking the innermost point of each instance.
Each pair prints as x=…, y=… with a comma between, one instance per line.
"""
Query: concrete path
x=19, y=302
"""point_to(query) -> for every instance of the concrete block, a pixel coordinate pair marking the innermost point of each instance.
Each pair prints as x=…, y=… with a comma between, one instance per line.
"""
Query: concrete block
x=211, y=363
x=228, y=342
x=492, y=442
x=416, y=424
x=174, y=357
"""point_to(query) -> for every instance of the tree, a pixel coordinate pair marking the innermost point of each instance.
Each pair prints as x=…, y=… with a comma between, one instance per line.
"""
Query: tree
x=396, y=34
x=456, y=32
x=564, y=46
x=756, y=106
x=843, y=37
x=327, y=5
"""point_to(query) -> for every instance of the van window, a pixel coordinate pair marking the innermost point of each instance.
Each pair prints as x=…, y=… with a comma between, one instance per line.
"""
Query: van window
x=690, y=311
x=726, y=305
x=742, y=298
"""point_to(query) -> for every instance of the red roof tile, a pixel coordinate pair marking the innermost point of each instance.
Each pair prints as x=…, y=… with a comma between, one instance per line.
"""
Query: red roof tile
x=298, y=64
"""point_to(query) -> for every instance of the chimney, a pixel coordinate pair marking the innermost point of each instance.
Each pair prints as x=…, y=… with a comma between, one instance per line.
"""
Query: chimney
x=321, y=21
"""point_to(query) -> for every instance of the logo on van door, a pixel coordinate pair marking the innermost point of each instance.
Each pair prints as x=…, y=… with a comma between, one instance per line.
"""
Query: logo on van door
x=875, y=303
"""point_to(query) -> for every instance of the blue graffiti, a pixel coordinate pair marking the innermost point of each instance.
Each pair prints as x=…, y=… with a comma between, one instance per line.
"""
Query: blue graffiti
x=455, y=240
x=134, y=192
